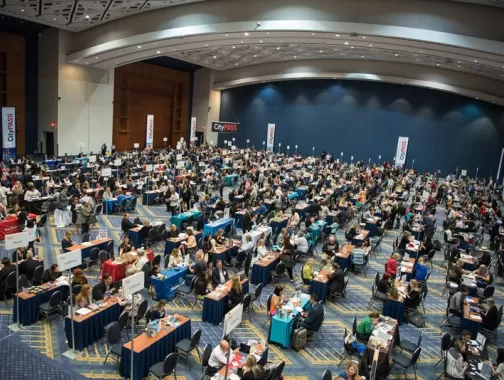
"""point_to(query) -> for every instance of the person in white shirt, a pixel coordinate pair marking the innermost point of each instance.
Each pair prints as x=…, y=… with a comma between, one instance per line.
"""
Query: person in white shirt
x=295, y=219
x=261, y=251
x=301, y=243
x=31, y=193
x=248, y=245
x=218, y=358
x=107, y=194
x=174, y=202
x=324, y=210
x=138, y=265
x=455, y=363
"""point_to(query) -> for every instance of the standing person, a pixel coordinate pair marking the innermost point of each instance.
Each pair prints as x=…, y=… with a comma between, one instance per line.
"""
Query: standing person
x=33, y=234
x=287, y=257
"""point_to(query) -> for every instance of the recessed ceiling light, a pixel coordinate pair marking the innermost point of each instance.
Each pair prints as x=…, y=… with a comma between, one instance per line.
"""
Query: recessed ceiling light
x=214, y=56
x=370, y=45
x=477, y=98
x=397, y=55
x=476, y=60
x=246, y=33
x=421, y=51
x=418, y=60
x=241, y=41
x=54, y=19
x=267, y=33
x=139, y=46
x=87, y=63
x=22, y=10
x=295, y=56
x=260, y=41
x=206, y=44
x=321, y=51
x=158, y=52
x=278, y=48
x=155, y=43
x=234, y=47
x=364, y=37
x=97, y=57
x=337, y=35
x=86, y=16
x=255, y=56
x=437, y=64
x=362, y=56
x=264, y=81
x=336, y=49
x=206, y=61
x=117, y=61
x=458, y=66
x=351, y=47
x=236, y=64
x=313, y=34
x=346, y=43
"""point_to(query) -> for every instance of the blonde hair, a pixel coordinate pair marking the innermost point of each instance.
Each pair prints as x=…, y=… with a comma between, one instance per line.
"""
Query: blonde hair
x=421, y=260
x=355, y=367
x=236, y=284
x=68, y=234
x=83, y=294
x=396, y=256
x=260, y=242
x=175, y=252
x=414, y=285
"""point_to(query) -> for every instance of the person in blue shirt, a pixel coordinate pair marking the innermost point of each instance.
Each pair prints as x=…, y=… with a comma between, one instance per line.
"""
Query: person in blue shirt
x=262, y=209
x=420, y=270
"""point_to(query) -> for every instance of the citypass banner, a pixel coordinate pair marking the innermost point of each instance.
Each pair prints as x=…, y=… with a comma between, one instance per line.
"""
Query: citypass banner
x=193, y=138
x=8, y=133
x=270, y=139
x=149, y=137
x=225, y=127
x=402, y=150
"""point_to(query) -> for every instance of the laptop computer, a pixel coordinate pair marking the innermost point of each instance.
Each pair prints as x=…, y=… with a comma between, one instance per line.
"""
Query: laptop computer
x=485, y=372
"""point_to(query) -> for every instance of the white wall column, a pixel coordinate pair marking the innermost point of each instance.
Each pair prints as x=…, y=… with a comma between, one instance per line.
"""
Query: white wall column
x=206, y=103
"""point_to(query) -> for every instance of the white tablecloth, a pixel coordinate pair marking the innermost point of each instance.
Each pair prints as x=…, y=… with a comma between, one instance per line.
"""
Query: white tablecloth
x=256, y=234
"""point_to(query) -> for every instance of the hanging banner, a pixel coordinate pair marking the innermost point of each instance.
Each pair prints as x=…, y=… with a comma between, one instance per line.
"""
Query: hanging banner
x=8, y=133
x=402, y=150
x=192, y=139
x=149, y=138
x=270, y=139
x=225, y=127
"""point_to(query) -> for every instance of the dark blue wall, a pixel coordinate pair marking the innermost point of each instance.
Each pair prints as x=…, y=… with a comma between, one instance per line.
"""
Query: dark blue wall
x=364, y=119
x=31, y=93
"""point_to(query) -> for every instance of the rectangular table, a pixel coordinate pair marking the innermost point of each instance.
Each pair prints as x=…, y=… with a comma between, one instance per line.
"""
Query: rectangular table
x=221, y=253
x=231, y=179
x=86, y=248
x=472, y=320
x=29, y=303
x=257, y=233
x=281, y=326
x=316, y=228
x=152, y=350
x=212, y=228
x=412, y=249
x=319, y=284
x=149, y=197
x=262, y=268
x=89, y=328
x=173, y=243
x=214, y=303
x=407, y=269
x=11, y=226
x=372, y=226
x=179, y=218
x=394, y=308
x=344, y=256
x=359, y=239
x=164, y=286
x=258, y=351
x=277, y=224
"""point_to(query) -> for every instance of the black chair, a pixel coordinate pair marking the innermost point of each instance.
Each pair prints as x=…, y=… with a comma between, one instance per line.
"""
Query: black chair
x=445, y=345
x=279, y=272
x=206, y=357
x=110, y=248
x=142, y=308
x=23, y=282
x=410, y=346
x=492, y=334
x=145, y=269
x=327, y=375
x=186, y=346
x=98, y=209
x=185, y=290
x=341, y=294
x=256, y=296
x=94, y=257
x=85, y=237
x=151, y=237
x=405, y=362
x=164, y=368
x=10, y=284
x=113, y=338
x=156, y=260
x=51, y=307
x=277, y=372
x=102, y=257
x=46, y=276
x=38, y=273
x=246, y=305
x=76, y=289
x=238, y=261
x=268, y=307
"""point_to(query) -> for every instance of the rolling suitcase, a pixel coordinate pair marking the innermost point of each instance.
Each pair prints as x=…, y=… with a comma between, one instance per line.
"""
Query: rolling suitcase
x=299, y=339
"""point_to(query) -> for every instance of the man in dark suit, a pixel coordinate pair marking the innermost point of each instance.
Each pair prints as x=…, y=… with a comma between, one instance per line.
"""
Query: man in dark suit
x=490, y=318
x=247, y=220
x=220, y=274
x=126, y=224
x=7, y=269
x=105, y=285
x=315, y=316
x=27, y=267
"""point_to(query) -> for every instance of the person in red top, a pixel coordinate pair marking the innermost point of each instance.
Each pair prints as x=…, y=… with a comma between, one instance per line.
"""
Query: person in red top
x=391, y=266
x=483, y=210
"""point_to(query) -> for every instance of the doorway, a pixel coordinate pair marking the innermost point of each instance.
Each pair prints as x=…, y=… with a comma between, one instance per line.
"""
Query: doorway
x=199, y=138
x=49, y=139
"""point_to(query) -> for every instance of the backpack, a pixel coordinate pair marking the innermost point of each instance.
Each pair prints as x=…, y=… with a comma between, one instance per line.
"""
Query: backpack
x=416, y=318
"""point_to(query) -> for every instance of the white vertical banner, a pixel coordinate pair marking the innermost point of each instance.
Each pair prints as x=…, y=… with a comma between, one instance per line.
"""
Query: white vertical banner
x=192, y=139
x=8, y=133
x=270, y=139
x=402, y=150
x=149, y=137
x=500, y=165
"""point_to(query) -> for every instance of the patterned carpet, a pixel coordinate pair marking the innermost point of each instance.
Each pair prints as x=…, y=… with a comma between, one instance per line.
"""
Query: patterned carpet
x=44, y=342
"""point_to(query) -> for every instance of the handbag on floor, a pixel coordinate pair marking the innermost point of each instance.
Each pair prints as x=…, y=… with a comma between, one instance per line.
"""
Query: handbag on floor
x=416, y=319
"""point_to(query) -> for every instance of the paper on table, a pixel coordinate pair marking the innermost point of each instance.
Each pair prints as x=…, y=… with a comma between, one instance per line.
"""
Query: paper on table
x=476, y=317
x=83, y=311
x=87, y=244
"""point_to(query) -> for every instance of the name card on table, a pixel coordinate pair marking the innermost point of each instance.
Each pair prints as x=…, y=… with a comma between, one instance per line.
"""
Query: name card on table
x=179, y=157
x=117, y=162
x=92, y=159
x=69, y=260
x=232, y=319
x=106, y=172
x=136, y=145
x=133, y=284
x=14, y=241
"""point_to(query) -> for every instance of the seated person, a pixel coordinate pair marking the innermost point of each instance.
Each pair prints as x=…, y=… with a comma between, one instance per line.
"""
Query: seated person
x=277, y=300
x=351, y=372
x=337, y=281
x=455, y=364
x=7, y=268
x=482, y=276
x=126, y=224
x=28, y=266
x=405, y=240
x=125, y=246
x=490, y=317
x=235, y=295
x=200, y=265
x=315, y=316
x=330, y=248
x=391, y=267
x=383, y=287
x=413, y=298
x=308, y=271
x=83, y=299
x=457, y=271
x=220, y=239
x=158, y=311
x=136, y=267
x=485, y=258
x=366, y=326
x=420, y=270
x=220, y=274
x=219, y=358
x=261, y=251
x=144, y=232
x=52, y=275
x=67, y=241
x=352, y=232
x=251, y=370
x=175, y=258
x=173, y=232
x=191, y=239
x=456, y=305
x=104, y=286
x=301, y=244
x=78, y=278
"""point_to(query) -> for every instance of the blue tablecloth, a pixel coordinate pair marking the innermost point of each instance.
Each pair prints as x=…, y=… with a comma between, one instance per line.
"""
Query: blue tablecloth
x=320, y=289
x=135, y=238
x=214, y=311
x=108, y=206
x=281, y=327
x=470, y=325
x=87, y=250
x=230, y=179
x=164, y=287
x=148, y=198
x=221, y=256
x=171, y=245
x=344, y=263
x=179, y=218
x=28, y=308
x=153, y=354
x=293, y=195
x=371, y=227
x=277, y=225
x=316, y=228
x=239, y=220
x=301, y=193
x=394, y=309
x=260, y=274
x=213, y=227
x=90, y=330
x=52, y=163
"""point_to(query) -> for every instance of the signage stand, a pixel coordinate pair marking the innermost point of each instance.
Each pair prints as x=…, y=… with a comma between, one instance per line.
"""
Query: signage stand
x=16, y=326
x=71, y=353
x=232, y=319
x=15, y=241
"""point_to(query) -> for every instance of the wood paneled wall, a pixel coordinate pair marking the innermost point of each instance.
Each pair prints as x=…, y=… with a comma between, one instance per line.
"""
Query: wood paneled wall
x=141, y=89
x=12, y=82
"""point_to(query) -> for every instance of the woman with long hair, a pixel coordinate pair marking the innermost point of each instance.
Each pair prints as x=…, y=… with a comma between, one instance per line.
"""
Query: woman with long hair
x=83, y=299
x=79, y=278
x=252, y=370
x=235, y=295
x=413, y=299
x=351, y=372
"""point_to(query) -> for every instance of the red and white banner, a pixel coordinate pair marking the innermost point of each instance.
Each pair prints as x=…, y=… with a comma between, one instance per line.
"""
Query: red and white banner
x=402, y=150
x=192, y=139
x=270, y=139
x=149, y=138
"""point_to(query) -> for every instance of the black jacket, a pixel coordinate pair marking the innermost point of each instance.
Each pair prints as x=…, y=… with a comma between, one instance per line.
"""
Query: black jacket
x=490, y=319
x=4, y=272
x=234, y=298
x=126, y=225
x=247, y=222
x=27, y=268
x=314, y=318
x=216, y=276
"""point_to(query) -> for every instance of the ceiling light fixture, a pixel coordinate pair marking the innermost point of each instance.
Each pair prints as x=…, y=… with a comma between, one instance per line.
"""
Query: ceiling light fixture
x=234, y=47
x=158, y=52
x=54, y=19
x=260, y=41
x=370, y=45
x=267, y=33
x=351, y=47
x=214, y=56
x=346, y=43
x=206, y=44
x=246, y=33
x=337, y=35
x=397, y=55
x=321, y=51
x=96, y=57
x=313, y=34
x=86, y=16
x=437, y=64
x=476, y=60
x=295, y=56
x=421, y=51
x=241, y=41
x=364, y=37
x=255, y=56
x=362, y=56
x=22, y=10
x=278, y=48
